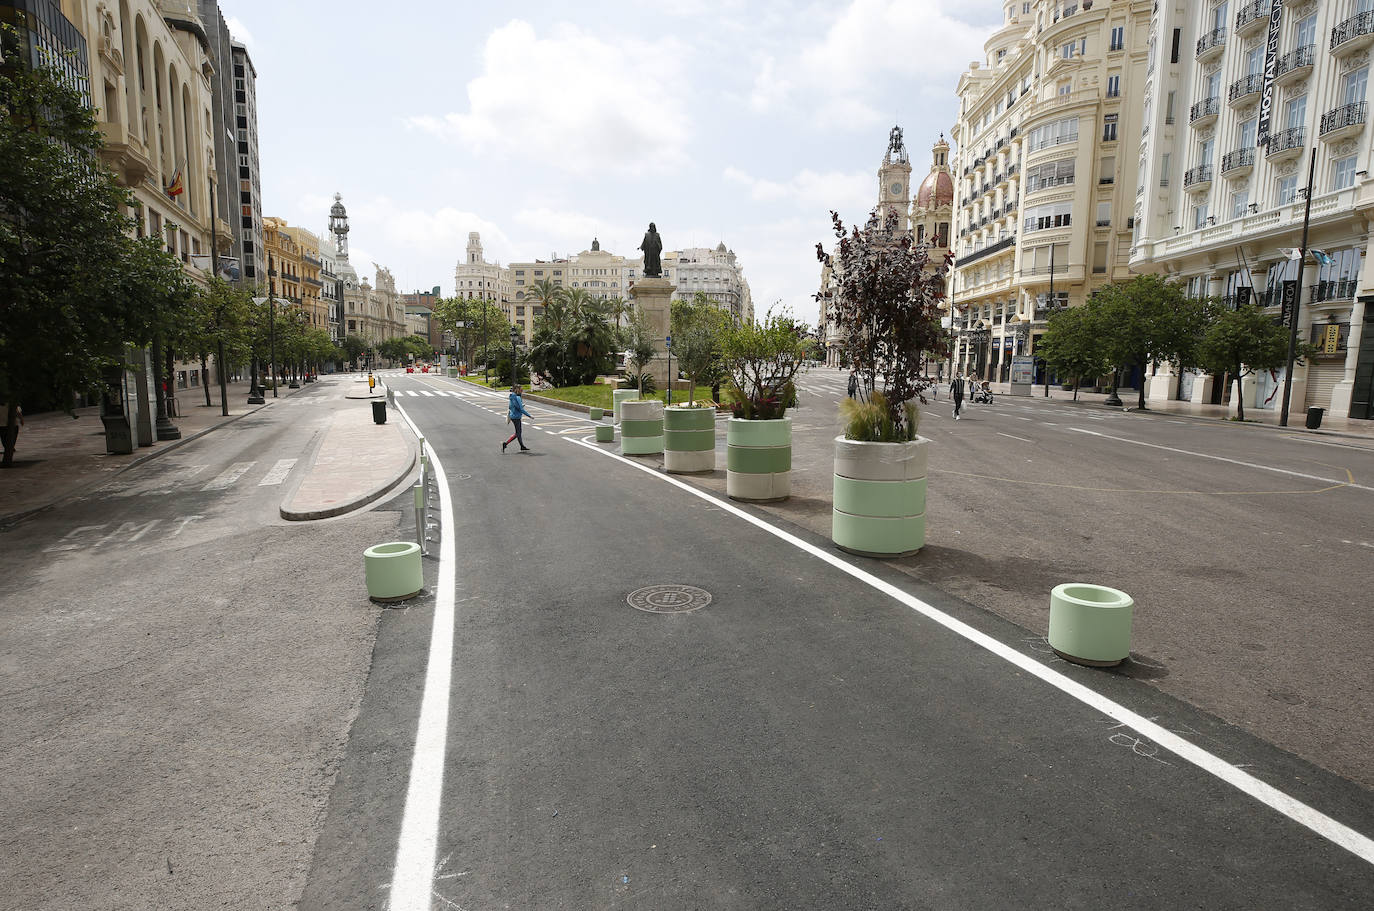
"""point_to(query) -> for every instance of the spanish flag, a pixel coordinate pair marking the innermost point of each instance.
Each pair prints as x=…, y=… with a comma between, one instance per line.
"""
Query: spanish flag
x=175, y=188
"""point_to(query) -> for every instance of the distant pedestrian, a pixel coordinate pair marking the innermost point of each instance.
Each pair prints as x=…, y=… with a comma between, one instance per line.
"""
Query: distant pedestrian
x=515, y=410
x=956, y=391
x=853, y=385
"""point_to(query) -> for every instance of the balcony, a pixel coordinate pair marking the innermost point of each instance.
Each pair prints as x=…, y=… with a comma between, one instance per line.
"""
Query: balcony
x=1210, y=45
x=1204, y=112
x=1295, y=65
x=124, y=154
x=1252, y=17
x=1286, y=144
x=1354, y=34
x=1004, y=243
x=1346, y=120
x=1331, y=291
x=1197, y=179
x=1237, y=163
x=1244, y=87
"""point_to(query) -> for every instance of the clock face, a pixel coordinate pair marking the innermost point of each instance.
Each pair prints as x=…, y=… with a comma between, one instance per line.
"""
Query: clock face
x=896, y=189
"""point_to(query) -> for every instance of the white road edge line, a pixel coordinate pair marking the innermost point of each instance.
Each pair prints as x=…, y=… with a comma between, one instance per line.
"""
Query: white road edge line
x=417, y=846
x=1205, y=455
x=1336, y=832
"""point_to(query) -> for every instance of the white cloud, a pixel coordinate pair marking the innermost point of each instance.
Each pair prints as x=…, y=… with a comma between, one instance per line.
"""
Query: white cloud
x=843, y=191
x=574, y=101
x=239, y=32
x=871, y=42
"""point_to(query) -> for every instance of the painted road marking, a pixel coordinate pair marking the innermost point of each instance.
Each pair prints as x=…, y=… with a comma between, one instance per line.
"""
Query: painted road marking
x=1336, y=832
x=1348, y=482
x=127, y=531
x=412, y=392
x=418, y=845
x=1022, y=439
x=229, y=476
x=278, y=473
x=426, y=392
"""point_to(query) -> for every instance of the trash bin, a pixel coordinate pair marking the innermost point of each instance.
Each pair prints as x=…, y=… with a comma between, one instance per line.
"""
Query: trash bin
x=1314, y=417
x=379, y=411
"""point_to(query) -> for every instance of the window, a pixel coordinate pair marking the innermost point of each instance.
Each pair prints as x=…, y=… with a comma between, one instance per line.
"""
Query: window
x=1205, y=150
x=1246, y=134
x=1054, y=215
x=1100, y=257
x=1343, y=173
x=1213, y=85
x=1254, y=60
x=1164, y=170
x=1239, y=201
x=1307, y=31
x=1065, y=87
x=1074, y=49
x=1219, y=15
x=1118, y=38
x=1173, y=52
x=1051, y=174
x=1113, y=86
x=1287, y=189
x=1199, y=216
x=1051, y=134
x=1353, y=85
x=1104, y=214
x=1107, y=171
x=1295, y=112
x=1109, y=128
x=1169, y=109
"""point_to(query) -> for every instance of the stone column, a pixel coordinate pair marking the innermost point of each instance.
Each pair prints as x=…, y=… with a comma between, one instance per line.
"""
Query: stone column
x=1344, y=393
x=655, y=295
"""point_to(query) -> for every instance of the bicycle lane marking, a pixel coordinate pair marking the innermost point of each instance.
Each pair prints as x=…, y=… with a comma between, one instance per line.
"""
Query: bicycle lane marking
x=1314, y=820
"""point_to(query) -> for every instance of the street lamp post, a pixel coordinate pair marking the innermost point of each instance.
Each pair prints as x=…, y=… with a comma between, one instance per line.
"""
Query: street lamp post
x=272, y=331
x=668, y=346
x=514, y=370
x=486, y=357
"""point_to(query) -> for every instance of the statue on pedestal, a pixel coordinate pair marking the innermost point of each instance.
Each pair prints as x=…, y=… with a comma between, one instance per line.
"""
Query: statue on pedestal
x=652, y=246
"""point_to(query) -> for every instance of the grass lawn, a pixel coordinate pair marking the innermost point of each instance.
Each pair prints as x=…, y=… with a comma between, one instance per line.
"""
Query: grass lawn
x=599, y=396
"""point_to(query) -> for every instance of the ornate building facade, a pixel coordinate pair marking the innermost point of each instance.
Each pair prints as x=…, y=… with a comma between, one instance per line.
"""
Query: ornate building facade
x=1219, y=205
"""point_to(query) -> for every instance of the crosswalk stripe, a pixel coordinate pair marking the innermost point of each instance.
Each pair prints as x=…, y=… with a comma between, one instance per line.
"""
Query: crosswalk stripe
x=278, y=473
x=412, y=392
x=229, y=475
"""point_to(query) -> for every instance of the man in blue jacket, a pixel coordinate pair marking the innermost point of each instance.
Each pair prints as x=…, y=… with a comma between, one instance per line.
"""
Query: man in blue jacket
x=514, y=412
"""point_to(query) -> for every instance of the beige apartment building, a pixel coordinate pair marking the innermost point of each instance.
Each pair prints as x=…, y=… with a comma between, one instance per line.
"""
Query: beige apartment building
x=1049, y=123
x=1220, y=204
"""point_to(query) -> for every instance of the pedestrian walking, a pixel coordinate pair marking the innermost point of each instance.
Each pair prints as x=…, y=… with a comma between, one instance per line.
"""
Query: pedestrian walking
x=853, y=385
x=515, y=410
x=956, y=392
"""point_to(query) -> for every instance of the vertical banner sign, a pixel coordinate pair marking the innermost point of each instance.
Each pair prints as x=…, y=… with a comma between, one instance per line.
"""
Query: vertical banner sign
x=1271, y=62
x=1331, y=344
x=1290, y=298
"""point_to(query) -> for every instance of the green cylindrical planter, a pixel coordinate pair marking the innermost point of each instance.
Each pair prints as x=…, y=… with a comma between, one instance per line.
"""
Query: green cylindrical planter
x=1090, y=624
x=689, y=439
x=758, y=459
x=641, y=427
x=594, y=414
x=605, y=433
x=880, y=497
x=453, y=371
x=620, y=397
x=393, y=571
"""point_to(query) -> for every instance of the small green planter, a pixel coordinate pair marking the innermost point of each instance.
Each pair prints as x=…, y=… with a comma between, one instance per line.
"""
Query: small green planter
x=605, y=433
x=393, y=571
x=595, y=414
x=641, y=427
x=620, y=397
x=1090, y=624
x=879, y=497
x=453, y=371
x=758, y=459
x=689, y=439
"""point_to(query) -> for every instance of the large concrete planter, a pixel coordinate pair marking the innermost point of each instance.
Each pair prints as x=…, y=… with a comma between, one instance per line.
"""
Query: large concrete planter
x=619, y=397
x=689, y=439
x=393, y=571
x=641, y=427
x=1090, y=624
x=758, y=459
x=880, y=497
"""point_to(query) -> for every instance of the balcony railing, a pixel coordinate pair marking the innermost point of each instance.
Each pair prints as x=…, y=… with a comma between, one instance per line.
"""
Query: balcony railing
x=1240, y=158
x=1207, y=107
x=1346, y=115
x=1357, y=26
x=1296, y=59
x=1198, y=175
x=1332, y=291
x=1286, y=140
x=990, y=249
x=1251, y=13
x=1245, y=85
x=1209, y=42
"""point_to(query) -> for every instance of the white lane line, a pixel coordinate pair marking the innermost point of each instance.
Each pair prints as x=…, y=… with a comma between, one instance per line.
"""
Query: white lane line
x=278, y=473
x=1344, y=482
x=1336, y=832
x=229, y=476
x=1022, y=439
x=412, y=878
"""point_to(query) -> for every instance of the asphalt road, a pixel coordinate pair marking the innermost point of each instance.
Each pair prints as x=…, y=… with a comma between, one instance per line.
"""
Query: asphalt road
x=178, y=676
x=808, y=739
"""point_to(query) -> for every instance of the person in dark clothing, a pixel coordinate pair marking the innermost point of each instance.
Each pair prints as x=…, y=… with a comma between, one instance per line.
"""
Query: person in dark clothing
x=853, y=385
x=956, y=391
x=515, y=410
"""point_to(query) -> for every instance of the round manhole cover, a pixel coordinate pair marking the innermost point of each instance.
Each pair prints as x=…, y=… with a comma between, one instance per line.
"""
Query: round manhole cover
x=668, y=599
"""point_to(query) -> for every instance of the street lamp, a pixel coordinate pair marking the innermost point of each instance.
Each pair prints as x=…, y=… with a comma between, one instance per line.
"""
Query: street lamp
x=272, y=331
x=668, y=346
x=514, y=371
x=980, y=334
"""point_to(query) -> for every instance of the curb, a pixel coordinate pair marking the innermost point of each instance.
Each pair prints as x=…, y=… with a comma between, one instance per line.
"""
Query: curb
x=358, y=502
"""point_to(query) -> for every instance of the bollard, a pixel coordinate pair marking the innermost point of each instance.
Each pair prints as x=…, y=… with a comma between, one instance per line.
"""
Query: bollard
x=605, y=433
x=594, y=414
x=1090, y=624
x=393, y=571
x=420, y=514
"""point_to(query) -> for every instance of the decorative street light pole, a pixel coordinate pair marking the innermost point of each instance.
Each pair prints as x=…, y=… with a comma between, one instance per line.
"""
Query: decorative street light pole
x=668, y=346
x=272, y=331
x=514, y=370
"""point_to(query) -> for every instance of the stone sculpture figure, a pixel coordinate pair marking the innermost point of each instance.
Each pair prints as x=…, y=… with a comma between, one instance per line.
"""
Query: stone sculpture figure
x=652, y=246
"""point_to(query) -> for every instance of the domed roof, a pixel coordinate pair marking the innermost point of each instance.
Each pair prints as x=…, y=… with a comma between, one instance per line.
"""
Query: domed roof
x=936, y=190
x=721, y=248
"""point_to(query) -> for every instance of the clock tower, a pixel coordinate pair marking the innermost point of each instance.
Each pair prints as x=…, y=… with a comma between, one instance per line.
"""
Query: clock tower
x=894, y=183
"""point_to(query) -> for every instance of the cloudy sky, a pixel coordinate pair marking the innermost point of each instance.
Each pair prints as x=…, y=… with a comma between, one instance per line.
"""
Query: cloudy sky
x=542, y=125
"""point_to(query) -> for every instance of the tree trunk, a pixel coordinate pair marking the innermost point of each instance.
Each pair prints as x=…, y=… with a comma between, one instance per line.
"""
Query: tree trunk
x=9, y=434
x=1240, y=399
x=205, y=376
x=171, y=395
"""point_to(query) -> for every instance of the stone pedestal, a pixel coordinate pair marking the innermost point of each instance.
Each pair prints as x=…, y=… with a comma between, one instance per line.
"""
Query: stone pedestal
x=655, y=295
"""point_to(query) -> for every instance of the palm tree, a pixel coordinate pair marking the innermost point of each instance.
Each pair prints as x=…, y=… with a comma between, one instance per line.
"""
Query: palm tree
x=552, y=298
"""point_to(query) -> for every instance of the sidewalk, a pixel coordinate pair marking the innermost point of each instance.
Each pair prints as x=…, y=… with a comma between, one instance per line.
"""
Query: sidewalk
x=59, y=456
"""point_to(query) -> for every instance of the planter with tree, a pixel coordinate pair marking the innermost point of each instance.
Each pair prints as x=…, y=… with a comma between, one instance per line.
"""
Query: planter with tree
x=762, y=361
x=689, y=430
x=886, y=307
